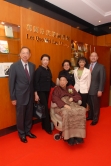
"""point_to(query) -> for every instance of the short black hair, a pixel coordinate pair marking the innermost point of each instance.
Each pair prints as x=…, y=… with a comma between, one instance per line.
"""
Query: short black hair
x=82, y=59
x=45, y=55
x=62, y=75
x=26, y=48
x=66, y=60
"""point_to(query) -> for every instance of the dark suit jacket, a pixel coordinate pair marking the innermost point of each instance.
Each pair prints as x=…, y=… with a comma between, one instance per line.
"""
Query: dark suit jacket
x=98, y=76
x=21, y=89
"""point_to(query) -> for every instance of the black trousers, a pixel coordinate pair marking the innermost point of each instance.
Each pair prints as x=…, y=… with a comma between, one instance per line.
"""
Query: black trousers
x=24, y=114
x=84, y=97
x=94, y=104
x=46, y=122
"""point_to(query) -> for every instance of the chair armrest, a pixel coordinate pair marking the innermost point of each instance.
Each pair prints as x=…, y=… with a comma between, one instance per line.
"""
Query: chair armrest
x=53, y=105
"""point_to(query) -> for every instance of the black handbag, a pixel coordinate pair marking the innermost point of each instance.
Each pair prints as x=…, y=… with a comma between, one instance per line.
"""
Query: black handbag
x=39, y=110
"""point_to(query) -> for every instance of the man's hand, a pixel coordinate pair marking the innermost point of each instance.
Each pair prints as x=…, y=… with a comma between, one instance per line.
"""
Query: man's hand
x=99, y=94
x=71, y=99
x=14, y=102
x=67, y=106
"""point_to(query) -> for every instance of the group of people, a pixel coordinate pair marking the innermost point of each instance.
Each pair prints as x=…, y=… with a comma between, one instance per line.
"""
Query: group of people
x=85, y=83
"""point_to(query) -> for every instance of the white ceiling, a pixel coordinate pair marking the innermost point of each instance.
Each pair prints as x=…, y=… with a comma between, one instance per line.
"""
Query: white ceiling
x=91, y=11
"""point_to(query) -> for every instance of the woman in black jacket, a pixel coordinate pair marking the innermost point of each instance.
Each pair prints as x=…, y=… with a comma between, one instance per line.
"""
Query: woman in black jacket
x=67, y=72
x=42, y=85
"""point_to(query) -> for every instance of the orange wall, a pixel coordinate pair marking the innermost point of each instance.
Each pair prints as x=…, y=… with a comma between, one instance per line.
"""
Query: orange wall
x=8, y=13
x=104, y=40
x=104, y=58
x=78, y=35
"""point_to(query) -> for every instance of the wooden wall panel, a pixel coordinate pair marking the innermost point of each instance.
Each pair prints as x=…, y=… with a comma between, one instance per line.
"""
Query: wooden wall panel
x=101, y=40
x=104, y=40
x=80, y=36
x=7, y=111
x=94, y=40
x=9, y=13
x=104, y=58
x=108, y=39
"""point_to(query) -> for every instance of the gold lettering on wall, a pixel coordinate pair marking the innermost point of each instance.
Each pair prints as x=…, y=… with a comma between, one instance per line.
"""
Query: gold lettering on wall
x=58, y=37
x=29, y=27
x=53, y=34
x=35, y=29
x=42, y=31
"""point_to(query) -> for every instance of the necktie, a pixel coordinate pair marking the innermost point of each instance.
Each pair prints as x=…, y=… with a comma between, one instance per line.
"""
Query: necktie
x=91, y=67
x=26, y=71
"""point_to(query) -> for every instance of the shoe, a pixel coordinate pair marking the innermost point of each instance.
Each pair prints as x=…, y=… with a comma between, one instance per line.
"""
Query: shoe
x=88, y=118
x=49, y=132
x=23, y=139
x=78, y=140
x=31, y=135
x=65, y=140
x=93, y=123
x=71, y=141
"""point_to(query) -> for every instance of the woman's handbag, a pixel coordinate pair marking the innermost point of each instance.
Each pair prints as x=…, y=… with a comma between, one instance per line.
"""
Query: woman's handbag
x=39, y=110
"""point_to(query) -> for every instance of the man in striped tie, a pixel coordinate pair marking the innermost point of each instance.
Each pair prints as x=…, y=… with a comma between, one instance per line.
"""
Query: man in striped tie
x=98, y=76
x=21, y=76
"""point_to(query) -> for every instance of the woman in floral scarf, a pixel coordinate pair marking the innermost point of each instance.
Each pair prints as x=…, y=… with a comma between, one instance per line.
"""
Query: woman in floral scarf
x=67, y=72
x=65, y=100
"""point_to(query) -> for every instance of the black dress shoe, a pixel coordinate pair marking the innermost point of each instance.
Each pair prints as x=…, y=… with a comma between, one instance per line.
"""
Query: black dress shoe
x=71, y=141
x=31, y=135
x=93, y=123
x=23, y=139
x=48, y=132
x=78, y=140
x=88, y=118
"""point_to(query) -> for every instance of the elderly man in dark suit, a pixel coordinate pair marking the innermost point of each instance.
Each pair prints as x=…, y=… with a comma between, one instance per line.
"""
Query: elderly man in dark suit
x=96, y=88
x=21, y=92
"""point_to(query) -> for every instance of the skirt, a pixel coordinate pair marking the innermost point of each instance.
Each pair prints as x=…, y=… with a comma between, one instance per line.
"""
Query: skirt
x=73, y=121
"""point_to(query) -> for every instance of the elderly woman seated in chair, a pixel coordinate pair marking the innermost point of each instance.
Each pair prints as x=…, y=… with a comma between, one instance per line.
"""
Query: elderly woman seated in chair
x=73, y=115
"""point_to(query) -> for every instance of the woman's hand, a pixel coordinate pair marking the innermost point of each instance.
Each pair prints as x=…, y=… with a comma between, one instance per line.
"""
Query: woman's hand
x=67, y=106
x=14, y=102
x=36, y=97
x=71, y=99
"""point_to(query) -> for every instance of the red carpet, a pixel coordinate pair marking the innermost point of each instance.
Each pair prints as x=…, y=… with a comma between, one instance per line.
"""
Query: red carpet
x=45, y=151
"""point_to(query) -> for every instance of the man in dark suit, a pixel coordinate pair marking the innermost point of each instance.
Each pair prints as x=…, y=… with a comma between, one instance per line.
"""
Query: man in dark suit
x=96, y=88
x=21, y=92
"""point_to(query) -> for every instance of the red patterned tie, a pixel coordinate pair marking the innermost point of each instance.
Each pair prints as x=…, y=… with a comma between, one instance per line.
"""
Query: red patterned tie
x=26, y=71
x=91, y=67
